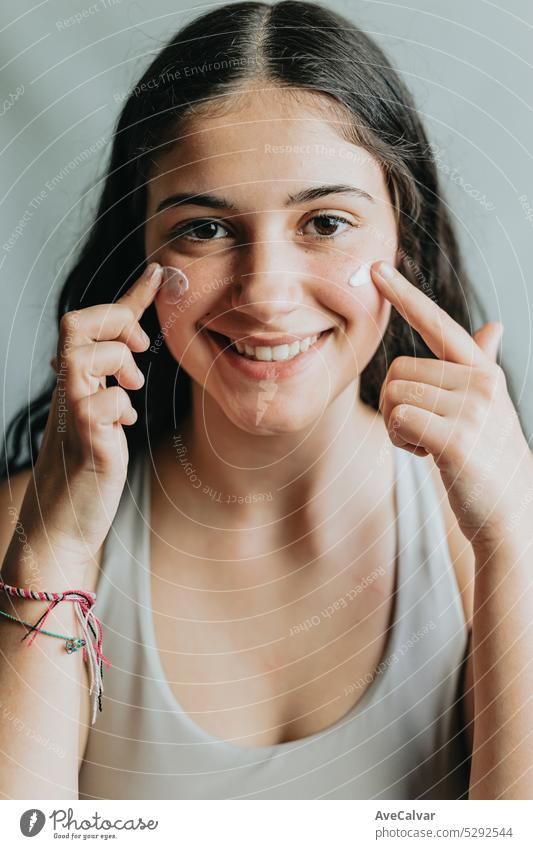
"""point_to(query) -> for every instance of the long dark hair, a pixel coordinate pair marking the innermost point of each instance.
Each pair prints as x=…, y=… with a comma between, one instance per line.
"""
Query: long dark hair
x=292, y=44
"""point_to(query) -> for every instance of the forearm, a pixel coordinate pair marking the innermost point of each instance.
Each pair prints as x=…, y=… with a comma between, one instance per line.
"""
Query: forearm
x=502, y=643
x=40, y=687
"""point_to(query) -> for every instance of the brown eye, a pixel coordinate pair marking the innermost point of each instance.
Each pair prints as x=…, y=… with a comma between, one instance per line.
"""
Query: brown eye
x=329, y=223
x=198, y=230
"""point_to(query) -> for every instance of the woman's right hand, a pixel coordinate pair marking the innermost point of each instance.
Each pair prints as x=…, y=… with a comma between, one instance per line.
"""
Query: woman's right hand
x=82, y=464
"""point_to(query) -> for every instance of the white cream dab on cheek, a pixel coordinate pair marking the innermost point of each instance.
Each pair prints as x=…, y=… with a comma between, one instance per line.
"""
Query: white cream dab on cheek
x=174, y=284
x=362, y=276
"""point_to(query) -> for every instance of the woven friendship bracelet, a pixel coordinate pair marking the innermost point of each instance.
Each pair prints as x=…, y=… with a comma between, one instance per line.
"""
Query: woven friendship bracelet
x=90, y=624
x=43, y=595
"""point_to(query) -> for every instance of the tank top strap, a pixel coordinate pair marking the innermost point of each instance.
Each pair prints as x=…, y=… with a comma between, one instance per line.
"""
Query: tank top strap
x=434, y=550
x=430, y=608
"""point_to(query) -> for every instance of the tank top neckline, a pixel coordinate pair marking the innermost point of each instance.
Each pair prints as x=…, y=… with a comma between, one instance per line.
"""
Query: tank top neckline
x=156, y=673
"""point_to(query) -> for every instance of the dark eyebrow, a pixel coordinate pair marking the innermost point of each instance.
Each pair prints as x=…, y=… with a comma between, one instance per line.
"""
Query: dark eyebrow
x=214, y=202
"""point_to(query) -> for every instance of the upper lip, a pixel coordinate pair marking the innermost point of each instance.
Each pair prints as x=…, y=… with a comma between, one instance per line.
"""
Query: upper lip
x=266, y=339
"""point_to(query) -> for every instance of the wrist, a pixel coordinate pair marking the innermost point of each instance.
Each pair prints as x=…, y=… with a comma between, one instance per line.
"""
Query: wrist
x=37, y=572
x=509, y=549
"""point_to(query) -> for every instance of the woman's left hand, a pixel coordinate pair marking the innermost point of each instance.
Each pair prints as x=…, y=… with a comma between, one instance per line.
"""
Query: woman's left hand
x=457, y=408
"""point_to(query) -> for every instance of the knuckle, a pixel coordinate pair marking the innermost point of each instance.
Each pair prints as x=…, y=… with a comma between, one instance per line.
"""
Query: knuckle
x=459, y=446
x=117, y=394
x=393, y=389
x=439, y=321
x=475, y=413
x=69, y=322
x=118, y=397
x=401, y=366
x=129, y=314
x=397, y=415
x=489, y=380
x=123, y=353
x=67, y=356
x=132, y=328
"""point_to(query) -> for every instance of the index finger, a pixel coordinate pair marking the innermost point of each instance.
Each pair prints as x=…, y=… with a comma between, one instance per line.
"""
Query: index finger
x=444, y=336
x=141, y=294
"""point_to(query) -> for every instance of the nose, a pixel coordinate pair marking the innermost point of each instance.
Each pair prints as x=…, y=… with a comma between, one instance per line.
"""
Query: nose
x=267, y=288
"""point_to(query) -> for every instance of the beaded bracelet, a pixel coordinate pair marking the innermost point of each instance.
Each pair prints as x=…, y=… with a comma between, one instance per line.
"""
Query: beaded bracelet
x=92, y=651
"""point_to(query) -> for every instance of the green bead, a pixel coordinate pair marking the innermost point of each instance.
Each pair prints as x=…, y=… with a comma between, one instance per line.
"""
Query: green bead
x=74, y=644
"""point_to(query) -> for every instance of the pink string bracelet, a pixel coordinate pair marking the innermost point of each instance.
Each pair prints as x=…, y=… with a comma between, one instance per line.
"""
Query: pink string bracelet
x=92, y=649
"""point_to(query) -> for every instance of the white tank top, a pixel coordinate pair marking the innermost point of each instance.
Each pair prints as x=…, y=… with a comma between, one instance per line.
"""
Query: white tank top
x=401, y=740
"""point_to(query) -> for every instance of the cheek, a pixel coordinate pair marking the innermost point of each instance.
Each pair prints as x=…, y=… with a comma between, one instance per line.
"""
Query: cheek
x=178, y=328
x=361, y=308
x=370, y=317
x=367, y=315
x=347, y=289
x=175, y=328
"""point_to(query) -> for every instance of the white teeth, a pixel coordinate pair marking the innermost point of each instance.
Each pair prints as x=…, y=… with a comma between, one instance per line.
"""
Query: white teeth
x=263, y=353
x=280, y=352
x=277, y=353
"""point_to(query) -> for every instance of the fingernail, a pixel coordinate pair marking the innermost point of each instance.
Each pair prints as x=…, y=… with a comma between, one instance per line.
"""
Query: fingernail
x=154, y=272
x=146, y=338
x=386, y=271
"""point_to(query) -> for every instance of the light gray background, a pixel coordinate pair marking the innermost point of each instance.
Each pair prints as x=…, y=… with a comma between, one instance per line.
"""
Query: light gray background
x=469, y=65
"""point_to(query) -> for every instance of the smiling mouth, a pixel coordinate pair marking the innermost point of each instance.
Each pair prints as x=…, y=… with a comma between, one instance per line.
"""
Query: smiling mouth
x=266, y=353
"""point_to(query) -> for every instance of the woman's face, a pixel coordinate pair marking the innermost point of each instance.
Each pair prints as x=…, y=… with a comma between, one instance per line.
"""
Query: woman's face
x=270, y=256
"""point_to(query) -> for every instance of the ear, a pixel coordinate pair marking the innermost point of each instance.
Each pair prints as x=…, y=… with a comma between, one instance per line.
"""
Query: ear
x=488, y=338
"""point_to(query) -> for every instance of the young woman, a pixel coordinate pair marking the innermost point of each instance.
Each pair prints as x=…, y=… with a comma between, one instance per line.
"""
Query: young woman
x=306, y=519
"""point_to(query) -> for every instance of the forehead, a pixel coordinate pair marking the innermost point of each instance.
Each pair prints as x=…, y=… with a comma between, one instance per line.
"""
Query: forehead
x=261, y=145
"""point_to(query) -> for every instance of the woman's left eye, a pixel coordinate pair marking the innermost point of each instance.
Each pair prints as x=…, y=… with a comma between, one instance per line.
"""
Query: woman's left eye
x=330, y=221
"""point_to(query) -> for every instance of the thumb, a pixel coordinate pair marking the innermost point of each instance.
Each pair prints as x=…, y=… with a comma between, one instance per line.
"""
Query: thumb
x=488, y=338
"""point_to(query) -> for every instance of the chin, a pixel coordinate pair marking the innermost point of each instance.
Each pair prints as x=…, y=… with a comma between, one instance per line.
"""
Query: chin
x=263, y=416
